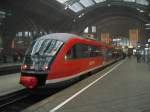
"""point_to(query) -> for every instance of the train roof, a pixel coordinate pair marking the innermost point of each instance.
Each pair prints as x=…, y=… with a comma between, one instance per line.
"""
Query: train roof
x=59, y=36
x=64, y=37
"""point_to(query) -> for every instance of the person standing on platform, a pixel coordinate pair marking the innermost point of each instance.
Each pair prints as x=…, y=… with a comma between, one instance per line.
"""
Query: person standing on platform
x=4, y=57
x=138, y=56
x=15, y=56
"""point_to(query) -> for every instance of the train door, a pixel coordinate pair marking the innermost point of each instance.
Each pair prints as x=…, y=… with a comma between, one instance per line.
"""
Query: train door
x=72, y=64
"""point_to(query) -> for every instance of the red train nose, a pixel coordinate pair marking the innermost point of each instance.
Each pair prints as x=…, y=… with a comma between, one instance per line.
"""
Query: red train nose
x=28, y=81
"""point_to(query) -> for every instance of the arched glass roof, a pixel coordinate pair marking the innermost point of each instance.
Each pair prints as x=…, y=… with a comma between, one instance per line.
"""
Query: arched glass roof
x=79, y=5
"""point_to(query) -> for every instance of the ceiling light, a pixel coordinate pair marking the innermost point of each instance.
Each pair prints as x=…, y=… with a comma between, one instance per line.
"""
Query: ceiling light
x=142, y=11
x=148, y=24
x=66, y=8
x=62, y=1
x=147, y=28
x=98, y=1
x=108, y=5
x=80, y=16
x=129, y=0
x=2, y=13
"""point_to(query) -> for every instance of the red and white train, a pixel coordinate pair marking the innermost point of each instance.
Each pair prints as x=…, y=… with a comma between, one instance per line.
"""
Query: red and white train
x=61, y=57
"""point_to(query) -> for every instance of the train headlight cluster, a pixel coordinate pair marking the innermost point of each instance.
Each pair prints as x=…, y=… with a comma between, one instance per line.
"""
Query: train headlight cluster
x=45, y=67
x=24, y=66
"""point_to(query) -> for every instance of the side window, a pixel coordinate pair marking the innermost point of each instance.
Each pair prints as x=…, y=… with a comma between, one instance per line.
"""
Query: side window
x=71, y=54
x=95, y=51
x=109, y=52
x=83, y=51
x=98, y=51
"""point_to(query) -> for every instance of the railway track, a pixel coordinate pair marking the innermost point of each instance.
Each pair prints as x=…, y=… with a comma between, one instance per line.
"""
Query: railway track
x=16, y=102
x=12, y=98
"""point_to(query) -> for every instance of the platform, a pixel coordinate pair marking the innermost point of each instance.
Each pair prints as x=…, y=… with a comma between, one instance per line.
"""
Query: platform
x=9, y=64
x=8, y=68
x=122, y=87
x=9, y=84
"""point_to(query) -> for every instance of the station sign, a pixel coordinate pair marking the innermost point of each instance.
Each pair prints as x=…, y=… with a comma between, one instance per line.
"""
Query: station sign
x=105, y=37
x=133, y=34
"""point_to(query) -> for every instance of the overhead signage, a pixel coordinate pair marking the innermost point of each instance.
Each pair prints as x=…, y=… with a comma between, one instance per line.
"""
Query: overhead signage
x=133, y=34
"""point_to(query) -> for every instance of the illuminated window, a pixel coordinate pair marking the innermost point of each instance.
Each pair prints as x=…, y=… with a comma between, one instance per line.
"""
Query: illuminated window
x=98, y=1
x=26, y=34
x=87, y=3
x=93, y=29
x=2, y=13
x=61, y=1
x=76, y=7
x=142, y=2
x=20, y=34
x=86, y=30
x=129, y=0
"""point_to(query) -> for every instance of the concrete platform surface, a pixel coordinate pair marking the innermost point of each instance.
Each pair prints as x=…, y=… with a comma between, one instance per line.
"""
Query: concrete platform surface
x=9, y=64
x=122, y=87
x=9, y=84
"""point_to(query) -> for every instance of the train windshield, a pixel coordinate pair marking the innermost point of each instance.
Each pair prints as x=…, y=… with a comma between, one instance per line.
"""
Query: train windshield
x=44, y=47
x=41, y=53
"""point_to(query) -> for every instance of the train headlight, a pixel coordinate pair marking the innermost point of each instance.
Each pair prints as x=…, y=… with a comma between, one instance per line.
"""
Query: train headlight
x=45, y=67
x=23, y=67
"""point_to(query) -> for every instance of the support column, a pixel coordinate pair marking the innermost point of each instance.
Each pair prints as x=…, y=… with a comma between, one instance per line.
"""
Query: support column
x=7, y=42
x=0, y=41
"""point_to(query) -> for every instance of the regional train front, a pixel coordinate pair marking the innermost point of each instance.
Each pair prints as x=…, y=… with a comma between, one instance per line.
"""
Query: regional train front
x=37, y=61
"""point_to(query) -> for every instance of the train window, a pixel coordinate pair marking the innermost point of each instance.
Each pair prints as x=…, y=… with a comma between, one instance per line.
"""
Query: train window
x=29, y=50
x=53, y=47
x=71, y=54
x=95, y=51
x=36, y=47
x=46, y=47
x=50, y=46
x=109, y=52
x=99, y=51
x=83, y=51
